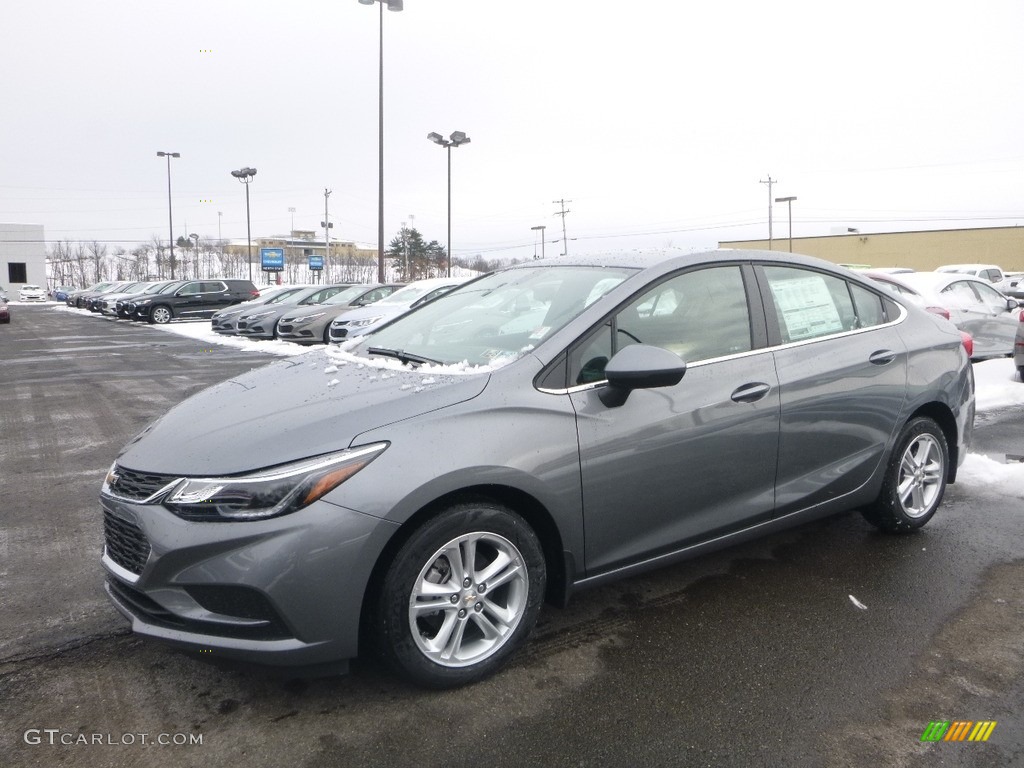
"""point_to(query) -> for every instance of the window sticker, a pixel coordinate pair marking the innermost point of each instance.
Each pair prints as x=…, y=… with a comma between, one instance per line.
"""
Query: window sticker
x=808, y=309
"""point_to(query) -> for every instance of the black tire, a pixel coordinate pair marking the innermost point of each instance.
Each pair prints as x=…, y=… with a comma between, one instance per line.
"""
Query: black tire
x=160, y=314
x=915, y=479
x=1020, y=372
x=445, y=643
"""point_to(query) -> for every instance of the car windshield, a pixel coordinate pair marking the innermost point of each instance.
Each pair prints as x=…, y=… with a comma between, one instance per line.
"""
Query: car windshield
x=407, y=295
x=496, y=319
x=346, y=296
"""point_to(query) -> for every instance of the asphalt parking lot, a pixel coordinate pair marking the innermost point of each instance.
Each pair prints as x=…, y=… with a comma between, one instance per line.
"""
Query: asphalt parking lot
x=754, y=656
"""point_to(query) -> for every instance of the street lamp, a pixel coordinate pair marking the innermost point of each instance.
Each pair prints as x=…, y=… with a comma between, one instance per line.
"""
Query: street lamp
x=789, y=204
x=457, y=139
x=541, y=227
x=170, y=220
x=393, y=5
x=195, y=238
x=244, y=175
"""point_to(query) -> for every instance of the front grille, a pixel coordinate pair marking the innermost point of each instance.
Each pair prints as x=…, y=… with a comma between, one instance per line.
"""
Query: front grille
x=284, y=328
x=125, y=542
x=338, y=333
x=138, y=485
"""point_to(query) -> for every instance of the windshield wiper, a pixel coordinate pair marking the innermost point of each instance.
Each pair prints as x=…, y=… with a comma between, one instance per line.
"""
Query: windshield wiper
x=405, y=357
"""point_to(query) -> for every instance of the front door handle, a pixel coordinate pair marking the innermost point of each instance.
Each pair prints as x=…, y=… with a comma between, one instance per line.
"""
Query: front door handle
x=882, y=357
x=751, y=393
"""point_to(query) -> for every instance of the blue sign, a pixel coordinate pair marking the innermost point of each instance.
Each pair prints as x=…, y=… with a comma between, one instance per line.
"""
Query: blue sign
x=316, y=262
x=272, y=259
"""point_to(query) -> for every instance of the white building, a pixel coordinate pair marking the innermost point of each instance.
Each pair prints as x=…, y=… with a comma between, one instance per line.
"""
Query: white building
x=22, y=256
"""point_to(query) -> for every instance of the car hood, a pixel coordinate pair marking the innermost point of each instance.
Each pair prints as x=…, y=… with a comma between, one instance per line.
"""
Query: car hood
x=290, y=410
x=374, y=310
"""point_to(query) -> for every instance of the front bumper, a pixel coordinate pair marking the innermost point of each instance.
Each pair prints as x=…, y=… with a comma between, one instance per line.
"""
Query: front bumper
x=285, y=591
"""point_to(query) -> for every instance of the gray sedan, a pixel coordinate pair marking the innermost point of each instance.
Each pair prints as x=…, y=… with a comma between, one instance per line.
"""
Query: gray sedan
x=421, y=494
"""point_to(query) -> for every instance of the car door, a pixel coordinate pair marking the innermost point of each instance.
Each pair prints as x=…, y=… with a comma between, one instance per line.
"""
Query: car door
x=842, y=374
x=675, y=465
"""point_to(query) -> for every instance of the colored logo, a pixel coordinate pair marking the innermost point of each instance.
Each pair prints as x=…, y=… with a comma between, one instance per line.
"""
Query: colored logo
x=958, y=730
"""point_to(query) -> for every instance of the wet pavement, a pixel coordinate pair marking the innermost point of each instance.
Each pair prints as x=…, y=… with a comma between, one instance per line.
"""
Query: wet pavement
x=753, y=656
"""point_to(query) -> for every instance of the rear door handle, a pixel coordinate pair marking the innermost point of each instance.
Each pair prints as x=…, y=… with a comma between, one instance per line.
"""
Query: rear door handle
x=751, y=393
x=882, y=357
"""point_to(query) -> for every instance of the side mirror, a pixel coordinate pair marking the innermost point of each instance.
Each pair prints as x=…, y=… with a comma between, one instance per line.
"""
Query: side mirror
x=640, y=366
x=1012, y=303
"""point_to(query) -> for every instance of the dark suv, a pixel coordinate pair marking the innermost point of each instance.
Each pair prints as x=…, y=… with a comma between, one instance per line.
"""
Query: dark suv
x=192, y=300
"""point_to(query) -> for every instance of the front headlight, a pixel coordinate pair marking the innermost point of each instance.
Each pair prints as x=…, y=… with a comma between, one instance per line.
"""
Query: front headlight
x=364, y=322
x=257, y=315
x=305, y=318
x=268, y=492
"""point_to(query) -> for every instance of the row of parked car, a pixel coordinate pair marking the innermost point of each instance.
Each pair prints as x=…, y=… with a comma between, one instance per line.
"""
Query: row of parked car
x=967, y=295
x=305, y=314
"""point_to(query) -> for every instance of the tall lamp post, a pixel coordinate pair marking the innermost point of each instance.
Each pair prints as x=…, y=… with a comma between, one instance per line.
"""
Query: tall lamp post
x=393, y=5
x=170, y=220
x=244, y=175
x=789, y=204
x=195, y=238
x=540, y=227
x=457, y=139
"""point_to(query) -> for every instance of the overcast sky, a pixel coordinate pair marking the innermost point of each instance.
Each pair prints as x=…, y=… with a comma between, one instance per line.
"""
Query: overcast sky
x=657, y=119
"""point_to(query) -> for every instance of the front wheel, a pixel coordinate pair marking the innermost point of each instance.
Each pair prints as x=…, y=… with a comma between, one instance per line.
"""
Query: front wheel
x=915, y=480
x=160, y=315
x=461, y=595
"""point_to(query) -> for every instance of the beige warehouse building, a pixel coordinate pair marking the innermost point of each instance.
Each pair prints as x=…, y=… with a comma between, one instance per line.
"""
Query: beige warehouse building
x=923, y=251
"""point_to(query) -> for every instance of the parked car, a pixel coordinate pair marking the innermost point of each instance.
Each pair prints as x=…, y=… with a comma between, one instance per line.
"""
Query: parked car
x=420, y=497
x=60, y=292
x=359, y=322
x=989, y=272
x=972, y=304
x=94, y=303
x=313, y=325
x=106, y=303
x=80, y=299
x=124, y=308
x=1018, y=349
x=261, y=322
x=5, y=311
x=3, y=294
x=192, y=300
x=31, y=292
x=1013, y=285
x=223, y=321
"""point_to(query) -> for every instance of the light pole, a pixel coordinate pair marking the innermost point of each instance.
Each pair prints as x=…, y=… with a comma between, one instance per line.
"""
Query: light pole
x=457, y=139
x=789, y=204
x=195, y=238
x=245, y=175
x=541, y=227
x=393, y=5
x=170, y=220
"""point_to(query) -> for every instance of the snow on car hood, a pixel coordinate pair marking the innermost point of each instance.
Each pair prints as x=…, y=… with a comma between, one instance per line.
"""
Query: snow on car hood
x=293, y=409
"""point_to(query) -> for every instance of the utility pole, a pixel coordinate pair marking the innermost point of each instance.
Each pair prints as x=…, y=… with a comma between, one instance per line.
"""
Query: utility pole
x=326, y=224
x=769, y=183
x=562, y=212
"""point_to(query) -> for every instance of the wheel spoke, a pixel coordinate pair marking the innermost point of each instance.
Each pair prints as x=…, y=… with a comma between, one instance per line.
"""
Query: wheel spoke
x=490, y=574
x=435, y=645
x=505, y=616
x=454, y=644
x=490, y=631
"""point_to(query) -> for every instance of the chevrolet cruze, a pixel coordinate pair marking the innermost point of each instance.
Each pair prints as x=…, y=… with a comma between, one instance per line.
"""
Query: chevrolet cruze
x=422, y=492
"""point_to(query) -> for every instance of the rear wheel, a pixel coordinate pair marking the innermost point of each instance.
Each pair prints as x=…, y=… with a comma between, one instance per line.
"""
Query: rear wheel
x=160, y=315
x=915, y=480
x=461, y=595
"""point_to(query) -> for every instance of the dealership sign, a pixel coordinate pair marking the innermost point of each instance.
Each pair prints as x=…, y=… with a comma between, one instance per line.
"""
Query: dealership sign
x=316, y=262
x=272, y=259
